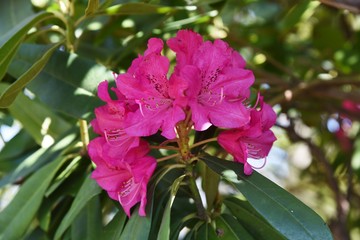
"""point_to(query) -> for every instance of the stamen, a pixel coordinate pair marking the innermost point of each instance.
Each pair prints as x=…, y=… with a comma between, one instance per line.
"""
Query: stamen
x=252, y=151
x=222, y=94
x=262, y=166
x=126, y=187
x=112, y=136
x=128, y=191
x=257, y=100
x=140, y=107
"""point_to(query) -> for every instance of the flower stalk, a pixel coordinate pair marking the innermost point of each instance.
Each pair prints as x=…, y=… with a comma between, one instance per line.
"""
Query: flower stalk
x=183, y=141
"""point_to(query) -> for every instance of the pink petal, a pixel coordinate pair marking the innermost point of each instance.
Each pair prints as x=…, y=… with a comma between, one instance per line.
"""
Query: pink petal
x=171, y=118
x=200, y=116
x=185, y=44
x=228, y=114
x=103, y=91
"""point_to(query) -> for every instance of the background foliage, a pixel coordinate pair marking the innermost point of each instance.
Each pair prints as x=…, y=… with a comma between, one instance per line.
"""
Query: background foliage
x=306, y=59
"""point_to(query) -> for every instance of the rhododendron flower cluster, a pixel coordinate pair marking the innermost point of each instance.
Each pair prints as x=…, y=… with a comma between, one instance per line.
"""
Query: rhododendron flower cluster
x=209, y=86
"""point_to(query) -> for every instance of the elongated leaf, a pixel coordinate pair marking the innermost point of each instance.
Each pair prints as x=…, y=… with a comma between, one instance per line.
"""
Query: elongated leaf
x=5, y=64
x=10, y=94
x=294, y=15
x=113, y=229
x=16, y=150
x=192, y=234
x=137, y=8
x=38, y=159
x=137, y=228
x=16, y=218
x=11, y=40
x=210, y=184
x=37, y=120
x=158, y=187
x=88, y=190
x=254, y=223
x=228, y=228
x=281, y=209
x=92, y=6
x=68, y=83
x=12, y=13
x=88, y=223
x=164, y=232
x=206, y=232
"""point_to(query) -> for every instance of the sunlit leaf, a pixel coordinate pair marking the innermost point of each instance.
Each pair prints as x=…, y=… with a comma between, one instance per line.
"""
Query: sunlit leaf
x=92, y=6
x=294, y=15
x=281, y=209
x=39, y=121
x=16, y=218
x=254, y=223
x=9, y=95
x=37, y=159
x=11, y=40
x=12, y=13
x=137, y=8
x=68, y=83
x=16, y=150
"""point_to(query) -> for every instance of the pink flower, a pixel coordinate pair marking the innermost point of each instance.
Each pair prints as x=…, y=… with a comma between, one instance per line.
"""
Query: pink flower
x=109, y=121
x=253, y=140
x=125, y=180
x=215, y=79
x=146, y=83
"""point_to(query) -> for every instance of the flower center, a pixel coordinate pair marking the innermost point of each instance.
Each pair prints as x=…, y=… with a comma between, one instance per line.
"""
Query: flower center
x=126, y=187
x=113, y=136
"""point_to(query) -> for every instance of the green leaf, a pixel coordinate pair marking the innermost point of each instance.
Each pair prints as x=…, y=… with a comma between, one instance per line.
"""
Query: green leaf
x=88, y=223
x=281, y=209
x=254, y=223
x=12, y=13
x=206, y=232
x=18, y=215
x=210, y=185
x=14, y=89
x=192, y=234
x=88, y=190
x=5, y=64
x=137, y=228
x=157, y=195
x=164, y=232
x=37, y=234
x=228, y=228
x=38, y=159
x=114, y=228
x=11, y=40
x=39, y=121
x=16, y=150
x=68, y=83
x=295, y=14
x=92, y=6
x=136, y=8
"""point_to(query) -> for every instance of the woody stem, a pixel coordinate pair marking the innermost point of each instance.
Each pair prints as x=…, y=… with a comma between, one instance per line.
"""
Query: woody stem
x=183, y=140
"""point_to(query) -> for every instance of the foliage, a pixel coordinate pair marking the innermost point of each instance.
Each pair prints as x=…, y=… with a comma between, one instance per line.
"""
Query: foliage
x=306, y=61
